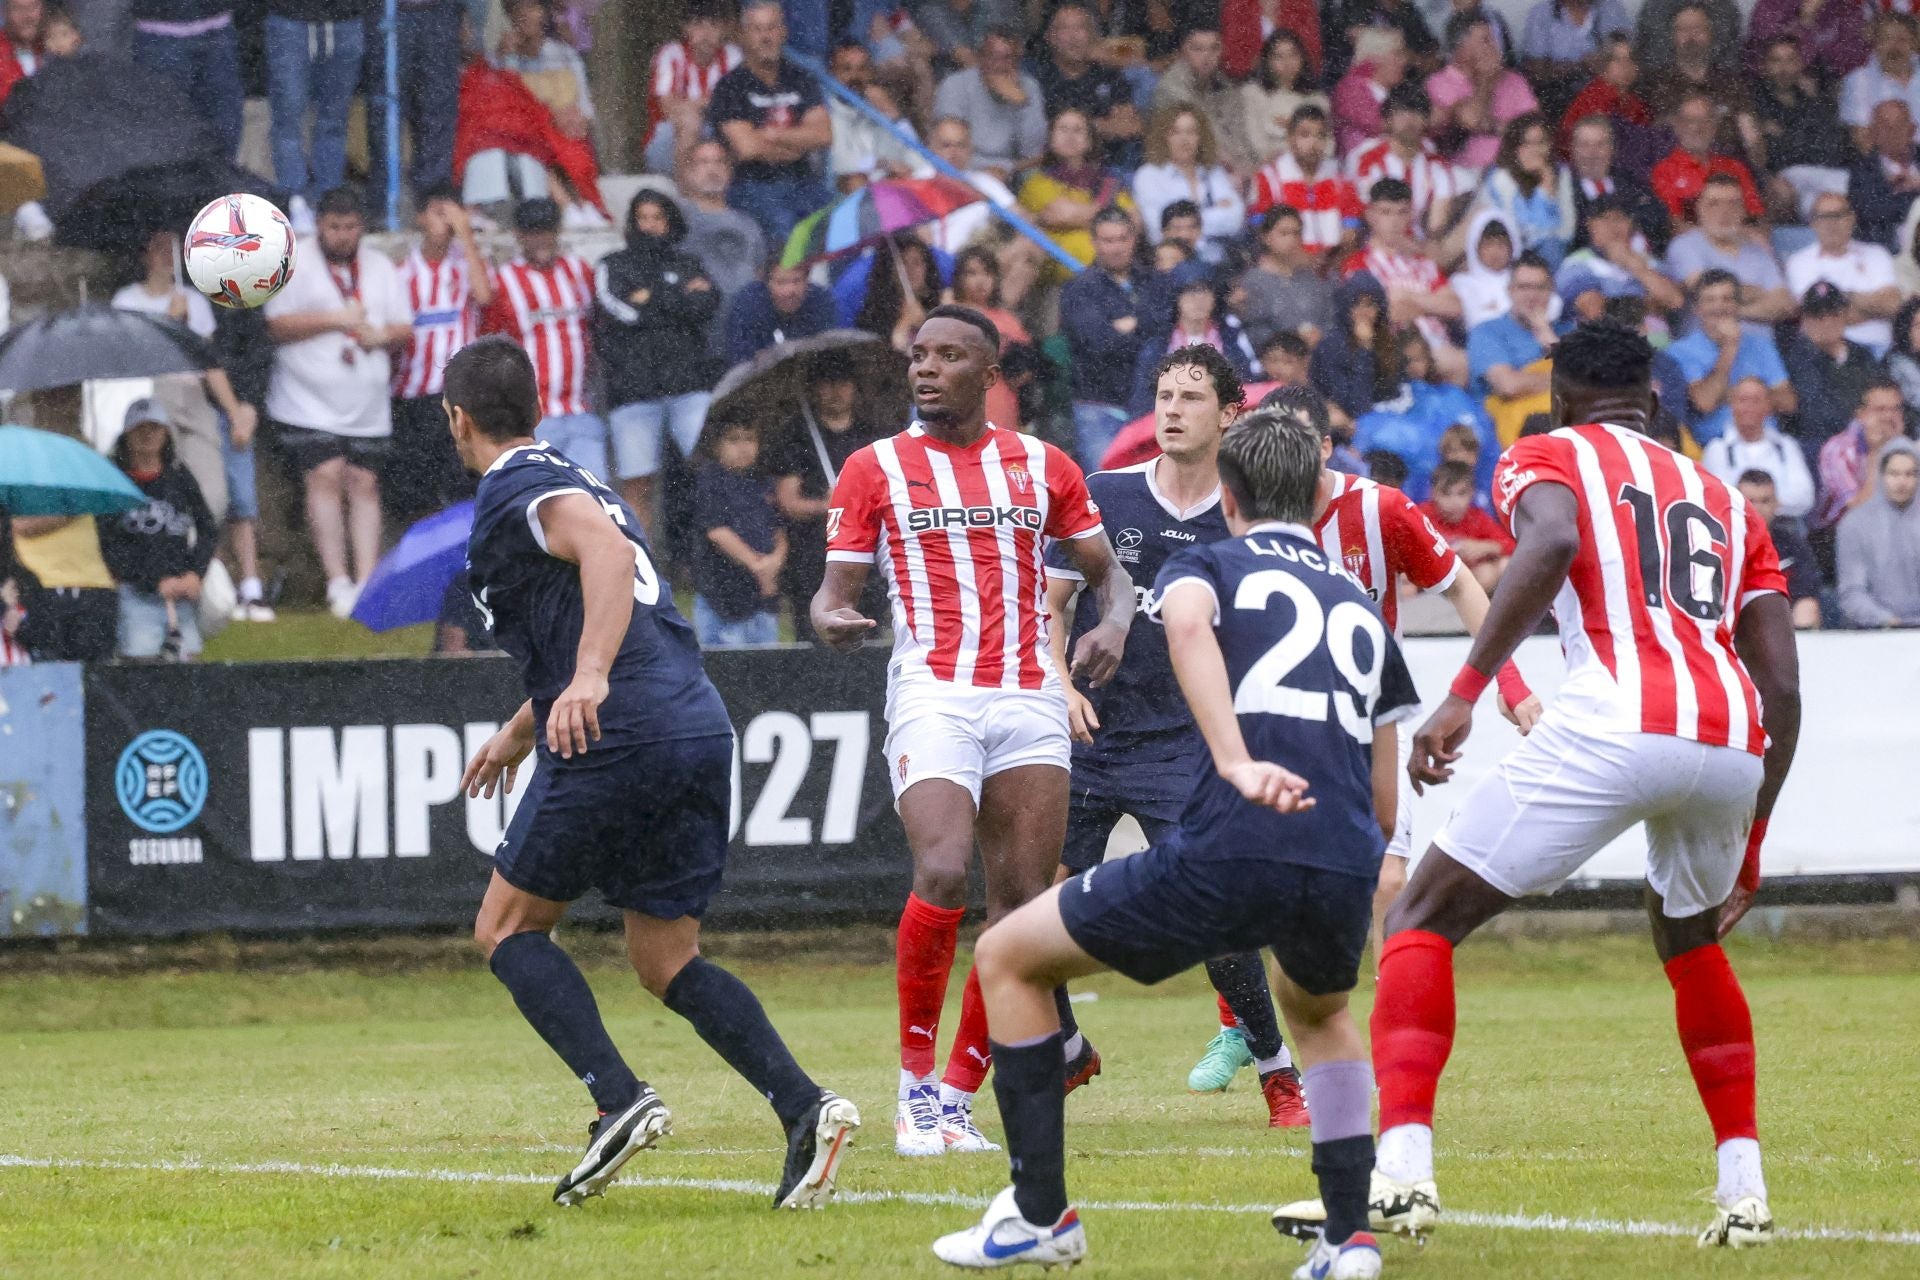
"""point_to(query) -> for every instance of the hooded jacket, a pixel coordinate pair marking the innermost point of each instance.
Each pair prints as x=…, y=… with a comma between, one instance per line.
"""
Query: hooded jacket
x=1344, y=371
x=1483, y=291
x=172, y=534
x=1878, y=556
x=650, y=329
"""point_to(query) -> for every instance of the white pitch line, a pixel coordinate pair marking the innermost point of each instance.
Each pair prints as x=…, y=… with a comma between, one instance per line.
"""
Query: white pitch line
x=950, y=1199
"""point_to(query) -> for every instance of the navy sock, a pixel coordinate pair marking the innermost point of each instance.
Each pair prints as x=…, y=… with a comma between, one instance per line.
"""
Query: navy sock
x=1242, y=980
x=1069, y=1025
x=1344, y=1167
x=1033, y=1111
x=728, y=1016
x=555, y=1000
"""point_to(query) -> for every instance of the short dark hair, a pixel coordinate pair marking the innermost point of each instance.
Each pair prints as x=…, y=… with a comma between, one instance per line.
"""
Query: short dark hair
x=1532, y=259
x=1724, y=180
x=1178, y=209
x=835, y=364
x=1449, y=474
x=1462, y=22
x=969, y=316
x=1754, y=475
x=1879, y=382
x=1384, y=466
x=1206, y=358
x=1301, y=402
x=341, y=200
x=1605, y=356
x=1712, y=276
x=1306, y=113
x=1200, y=28
x=847, y=44
x=1287, y=341
x=1111, y=213
x=1408, y=96
x=436, y=192
x=1270, y=463
x=1277, y=214
x=492, y=379
x=1390, y=189
x=1538, y=424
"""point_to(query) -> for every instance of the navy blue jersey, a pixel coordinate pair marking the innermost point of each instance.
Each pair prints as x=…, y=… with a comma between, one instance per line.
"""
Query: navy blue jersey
x=1313, y=671
x=1143, y=718
x=657, y=689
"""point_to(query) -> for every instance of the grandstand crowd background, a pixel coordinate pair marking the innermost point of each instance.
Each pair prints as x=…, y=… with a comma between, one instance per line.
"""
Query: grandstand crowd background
x=1402, y=203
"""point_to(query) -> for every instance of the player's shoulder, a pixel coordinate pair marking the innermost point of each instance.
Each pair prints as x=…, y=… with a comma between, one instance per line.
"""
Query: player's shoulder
x=1119, y=482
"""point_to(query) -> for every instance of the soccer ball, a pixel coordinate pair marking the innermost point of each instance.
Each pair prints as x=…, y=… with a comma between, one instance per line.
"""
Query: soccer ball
x=239, y=251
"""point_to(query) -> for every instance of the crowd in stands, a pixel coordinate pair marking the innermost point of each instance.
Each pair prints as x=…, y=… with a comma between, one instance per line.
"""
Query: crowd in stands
x=1402, y=206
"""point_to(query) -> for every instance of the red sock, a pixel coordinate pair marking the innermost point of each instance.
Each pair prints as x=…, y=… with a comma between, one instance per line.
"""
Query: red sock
x=923, y=957
x=1227, y=1018
x=1716, y=1031
x=1412, y=1025
x=967, y=1064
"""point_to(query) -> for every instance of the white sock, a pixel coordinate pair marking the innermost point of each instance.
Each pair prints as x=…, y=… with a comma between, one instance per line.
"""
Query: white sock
x=1739, y=1171
x=1406, y=1153
x=1278, y=1062
x=343, y=582
x=952, y=1097
x=908, y=1080
x=1072, y=1047
x=250, y=590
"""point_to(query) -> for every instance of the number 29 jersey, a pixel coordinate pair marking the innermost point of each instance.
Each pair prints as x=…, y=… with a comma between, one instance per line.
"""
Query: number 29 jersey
x=657, y=691
x=1668, y=557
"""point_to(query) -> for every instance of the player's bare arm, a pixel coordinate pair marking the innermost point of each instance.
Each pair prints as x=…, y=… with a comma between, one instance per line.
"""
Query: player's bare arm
x=1386, y=776
x=579, y=531
x=497, y=763
x=1187, y=612
x=836, y=619
x=1097, y=656
x=1546, y=530
x=1765, y=642
x=1469, y=600
x=1081, y=717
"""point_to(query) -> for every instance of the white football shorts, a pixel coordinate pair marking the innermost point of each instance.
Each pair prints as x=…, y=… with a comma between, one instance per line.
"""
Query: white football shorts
x=966, y=734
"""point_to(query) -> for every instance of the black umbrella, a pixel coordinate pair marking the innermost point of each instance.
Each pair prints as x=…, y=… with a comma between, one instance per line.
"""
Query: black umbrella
x=94, y=341
x=771, y=387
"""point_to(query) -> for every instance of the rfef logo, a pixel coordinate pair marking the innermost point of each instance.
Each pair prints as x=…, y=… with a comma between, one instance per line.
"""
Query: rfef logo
x=161, y=781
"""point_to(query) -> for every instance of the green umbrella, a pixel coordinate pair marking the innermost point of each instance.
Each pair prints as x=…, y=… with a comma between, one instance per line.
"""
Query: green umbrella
x=43, y=474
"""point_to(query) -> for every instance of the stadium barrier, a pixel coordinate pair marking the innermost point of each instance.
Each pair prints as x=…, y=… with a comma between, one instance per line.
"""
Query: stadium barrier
x=301, y=796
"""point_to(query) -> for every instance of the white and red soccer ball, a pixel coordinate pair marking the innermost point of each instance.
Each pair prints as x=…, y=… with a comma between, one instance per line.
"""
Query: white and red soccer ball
x=239, y=251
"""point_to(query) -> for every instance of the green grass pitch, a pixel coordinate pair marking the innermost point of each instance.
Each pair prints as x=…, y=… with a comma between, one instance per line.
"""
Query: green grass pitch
x=397, y=1119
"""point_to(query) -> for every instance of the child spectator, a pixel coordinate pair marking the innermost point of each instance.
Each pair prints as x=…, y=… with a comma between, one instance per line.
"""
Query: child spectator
x=684, y=74
x=1476, y=537
x=1461, y=443
x=737, y=573
x=160, y=551
x=1797, y=560
x=1385, y=468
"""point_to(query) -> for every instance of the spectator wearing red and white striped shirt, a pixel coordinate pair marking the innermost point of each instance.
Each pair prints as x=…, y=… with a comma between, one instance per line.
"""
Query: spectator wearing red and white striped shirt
x=544, y=300
x=1418, y=295
x=683, y=76
x=1329, y=204
x=1405, y=154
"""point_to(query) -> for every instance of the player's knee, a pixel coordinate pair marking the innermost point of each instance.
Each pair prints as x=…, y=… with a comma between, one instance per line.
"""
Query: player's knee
x=995, y=960
x=940, y=876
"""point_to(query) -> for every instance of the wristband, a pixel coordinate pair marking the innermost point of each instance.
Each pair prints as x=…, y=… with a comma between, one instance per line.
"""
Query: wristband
x=1749, y=878
x=1470, y=684
x=1512, y=687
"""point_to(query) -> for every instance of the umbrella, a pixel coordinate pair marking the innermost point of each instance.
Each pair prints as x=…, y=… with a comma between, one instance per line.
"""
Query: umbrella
x=409, y=582
x=771, y=387
x=877, y=209
x=43, y=474
x=1135, y=445
x=97, y=341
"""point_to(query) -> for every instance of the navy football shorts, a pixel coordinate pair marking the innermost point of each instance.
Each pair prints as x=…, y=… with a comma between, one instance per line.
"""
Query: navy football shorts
x=1163, y=911
x=645, y=825
x=1100, y=794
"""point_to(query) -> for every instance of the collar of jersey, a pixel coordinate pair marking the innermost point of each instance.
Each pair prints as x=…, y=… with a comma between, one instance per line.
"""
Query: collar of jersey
x=1287, y=527
x=918, y=430
x=502, y=460
x=1153, y=487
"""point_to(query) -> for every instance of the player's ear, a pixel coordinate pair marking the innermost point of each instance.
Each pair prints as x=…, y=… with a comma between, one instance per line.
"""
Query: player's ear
x=993, y=375
x=1653, y=404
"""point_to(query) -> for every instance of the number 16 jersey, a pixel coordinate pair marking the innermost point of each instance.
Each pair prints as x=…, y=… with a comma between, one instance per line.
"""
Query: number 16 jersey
x=1668, y=557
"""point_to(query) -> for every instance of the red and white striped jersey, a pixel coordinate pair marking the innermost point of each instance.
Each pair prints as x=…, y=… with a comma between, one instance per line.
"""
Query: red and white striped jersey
x=1377, y=534
x=1668, y=557
x=441, y=295
x=959, y=534
x=1414, y=271
x=1429, y=173
x=677, y=75
x=1328, y=203
x=547, y=309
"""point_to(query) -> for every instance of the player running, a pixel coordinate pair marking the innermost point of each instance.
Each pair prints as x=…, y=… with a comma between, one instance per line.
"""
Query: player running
x=1681, y=710
x=1379, y=536
x=955, y=510
x=1135, y=746
x=1291, y=676
x=631, y=796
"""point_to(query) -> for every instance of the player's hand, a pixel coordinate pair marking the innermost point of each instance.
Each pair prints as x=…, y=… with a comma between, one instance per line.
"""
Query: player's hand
x=1437, y=745
x=497, y=763
x=1097, y=656
x=1269, y=786
x=574, y=721
x=844, y=629
x=1082, y=720
x=1735, y=909
x=350, y=318
x=1522, y=717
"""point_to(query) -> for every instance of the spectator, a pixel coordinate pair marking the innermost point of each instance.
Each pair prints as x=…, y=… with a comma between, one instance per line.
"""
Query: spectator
x=1756, y=444
x=1100, y=312
x=1829, y=372
x=1830, y=35
x=1345, y=29
x=958, y=31
x=727, y=242
x=1071, y=186
x=1849, y=460
x=1507, y=355
x=338, y=323
x=783, y=307
x=683, y=77
x=1476, y=537
x=1482, y=281
x=1654, y=34
x=647, y=298
x=1878, y=549
x=1698, y=66
x=1565, y=41
x=1595, y=175
x=902, y=287
x=1250, y=25
x=1720, y=243
x=1418, y=295
x=951, y=139
x=862, y=150
x=1183, y=164
x=22, y=43
x=1284, y=291
x=1885, y=179
x=1361, y=98
x=1903, y=361
x=976, y=284
x=1196, y=319
x=1797, y=559
x=1862, y=272
x=1533, y=194
x=1281, y=86
x=1284, y=357
x=1891, y=75
x=314, y=52
x=1805, y=146
x=1613, y=265
x=190, y=42
x=1385, y=468
x=1681, y=175
x=159, y=551
x=1480, y=453
x=1194, y=81
x=1721, y=351
x=1356, y=363
x=737, y=573
x=543, y=300
x=1070, y=78
x=775, y=122
x=447, y=285
x=429, y=62
x=1609, y=94
x=1474, y=96
x=1412, y=424
x=1308, y=180
x=1002, y=106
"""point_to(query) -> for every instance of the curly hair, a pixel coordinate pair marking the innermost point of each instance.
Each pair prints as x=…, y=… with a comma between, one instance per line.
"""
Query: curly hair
x=1200, y=355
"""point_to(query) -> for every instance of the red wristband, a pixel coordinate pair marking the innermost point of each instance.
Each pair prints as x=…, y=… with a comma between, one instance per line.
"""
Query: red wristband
x=1750, y=867
x=1470, y=684
x=1512, y=687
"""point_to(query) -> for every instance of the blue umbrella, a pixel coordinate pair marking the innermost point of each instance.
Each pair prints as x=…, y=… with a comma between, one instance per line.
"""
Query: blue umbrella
x=410, y=581
x=43, y=474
